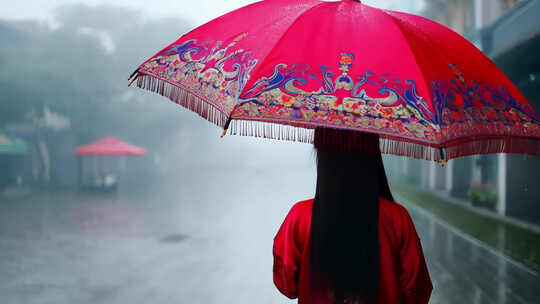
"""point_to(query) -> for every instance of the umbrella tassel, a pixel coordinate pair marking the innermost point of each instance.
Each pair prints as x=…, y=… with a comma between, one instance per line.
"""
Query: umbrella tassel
x=226, y=127
x=133, y=77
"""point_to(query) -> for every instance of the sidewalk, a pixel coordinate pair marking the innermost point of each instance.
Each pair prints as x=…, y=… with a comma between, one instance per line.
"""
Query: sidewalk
x=464, y=270
x=513, y=240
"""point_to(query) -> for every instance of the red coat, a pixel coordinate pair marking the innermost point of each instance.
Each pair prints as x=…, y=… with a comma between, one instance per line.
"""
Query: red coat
x=404, y=274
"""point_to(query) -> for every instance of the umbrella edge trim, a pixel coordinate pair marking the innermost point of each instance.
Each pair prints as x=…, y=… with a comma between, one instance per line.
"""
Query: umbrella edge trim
x=183, y=97
x=472, y=145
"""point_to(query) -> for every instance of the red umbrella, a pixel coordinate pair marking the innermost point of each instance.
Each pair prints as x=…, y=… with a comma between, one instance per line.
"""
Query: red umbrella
x=110, y=145
x=280, y=68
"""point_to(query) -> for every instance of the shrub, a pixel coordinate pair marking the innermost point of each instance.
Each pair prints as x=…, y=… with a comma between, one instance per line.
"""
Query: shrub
x=483, y=195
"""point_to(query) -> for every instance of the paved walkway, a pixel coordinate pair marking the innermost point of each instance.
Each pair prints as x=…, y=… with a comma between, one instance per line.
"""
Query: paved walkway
x=206, y=240
x=464, y=270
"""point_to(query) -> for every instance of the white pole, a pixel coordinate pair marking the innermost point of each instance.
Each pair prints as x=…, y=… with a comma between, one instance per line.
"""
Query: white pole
x=432, y=175
x=501, y=184
x=405, y=167
x=449, y=173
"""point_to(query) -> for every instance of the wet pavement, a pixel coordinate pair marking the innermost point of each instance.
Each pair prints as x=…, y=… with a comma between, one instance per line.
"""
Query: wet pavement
x=206, y=239
x=464, y=270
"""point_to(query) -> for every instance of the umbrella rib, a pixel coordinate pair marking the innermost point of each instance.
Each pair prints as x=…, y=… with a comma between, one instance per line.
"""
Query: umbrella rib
x=396, y=21
x=442, y=149
x=256, y=70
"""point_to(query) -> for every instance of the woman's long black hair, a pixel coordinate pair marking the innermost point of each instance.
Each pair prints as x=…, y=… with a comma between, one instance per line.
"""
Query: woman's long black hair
x=344, y=239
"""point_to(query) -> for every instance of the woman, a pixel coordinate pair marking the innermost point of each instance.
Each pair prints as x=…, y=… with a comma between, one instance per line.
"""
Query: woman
x=351, y=243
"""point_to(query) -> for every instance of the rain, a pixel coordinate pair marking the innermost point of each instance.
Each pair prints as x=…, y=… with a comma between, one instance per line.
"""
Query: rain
x=192, y=220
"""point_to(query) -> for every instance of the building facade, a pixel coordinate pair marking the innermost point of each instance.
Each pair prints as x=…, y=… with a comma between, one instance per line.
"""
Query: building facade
x=508, y=31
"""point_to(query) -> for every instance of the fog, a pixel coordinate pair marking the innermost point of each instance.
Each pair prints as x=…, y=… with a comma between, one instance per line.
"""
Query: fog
x=193, y=220
x=183, y=215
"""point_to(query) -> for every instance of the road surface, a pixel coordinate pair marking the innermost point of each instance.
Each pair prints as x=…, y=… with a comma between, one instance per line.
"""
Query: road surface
x=202, y=239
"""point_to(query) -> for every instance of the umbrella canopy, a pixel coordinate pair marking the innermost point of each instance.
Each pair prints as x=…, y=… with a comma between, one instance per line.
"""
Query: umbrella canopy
x=280, y=68
x=12, y=145
x=110, y=146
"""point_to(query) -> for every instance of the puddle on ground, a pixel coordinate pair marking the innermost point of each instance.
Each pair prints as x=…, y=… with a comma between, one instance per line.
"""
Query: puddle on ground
x=173, y=238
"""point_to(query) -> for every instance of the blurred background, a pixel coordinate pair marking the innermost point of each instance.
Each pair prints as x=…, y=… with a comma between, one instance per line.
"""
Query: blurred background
x=192, y=220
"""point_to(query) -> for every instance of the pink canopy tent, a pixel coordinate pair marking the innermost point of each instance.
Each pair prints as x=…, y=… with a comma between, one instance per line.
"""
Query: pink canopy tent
x=111, y=146
x=99, y=166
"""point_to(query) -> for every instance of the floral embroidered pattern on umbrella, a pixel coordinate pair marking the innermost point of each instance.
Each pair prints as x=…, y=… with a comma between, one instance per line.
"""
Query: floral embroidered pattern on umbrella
x=423, y=100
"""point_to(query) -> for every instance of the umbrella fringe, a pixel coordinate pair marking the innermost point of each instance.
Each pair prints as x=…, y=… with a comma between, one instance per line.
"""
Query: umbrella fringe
x=304, y=133
x=395, y=145
x=184, y=98
x=401, y=147
x=507, y=144
x=271, y=130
